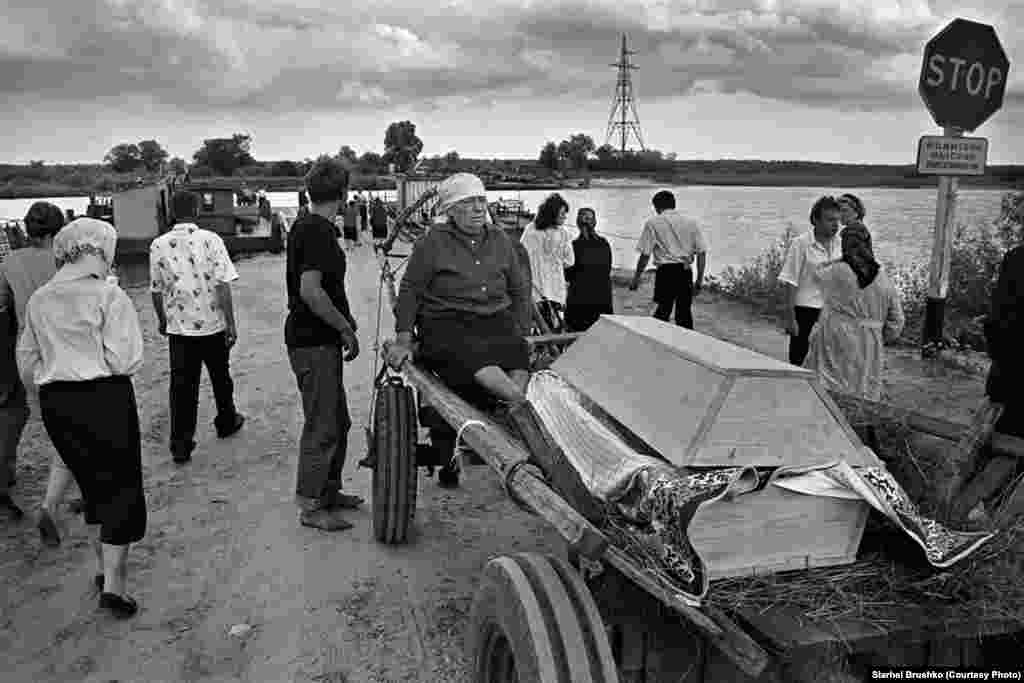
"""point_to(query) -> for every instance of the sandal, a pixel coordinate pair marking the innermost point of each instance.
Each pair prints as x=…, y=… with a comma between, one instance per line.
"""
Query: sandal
x=120, y=606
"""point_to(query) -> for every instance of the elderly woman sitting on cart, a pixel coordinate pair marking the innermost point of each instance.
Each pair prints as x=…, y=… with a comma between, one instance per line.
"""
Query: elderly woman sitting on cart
x=467, y=294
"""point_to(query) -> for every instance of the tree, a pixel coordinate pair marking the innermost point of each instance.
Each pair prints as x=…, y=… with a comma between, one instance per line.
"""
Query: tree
x=225, y=155
x=178, y=166
x=576, y=149
x=605, y=153
x=152, y=155
x=401, y=145
x=370, y=162
x=549, y=156
x=348, y=156
x=123, y=158
x=451, y=161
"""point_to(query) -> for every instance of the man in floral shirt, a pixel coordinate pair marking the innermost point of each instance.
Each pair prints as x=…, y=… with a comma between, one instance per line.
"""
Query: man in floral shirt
x=190, y=272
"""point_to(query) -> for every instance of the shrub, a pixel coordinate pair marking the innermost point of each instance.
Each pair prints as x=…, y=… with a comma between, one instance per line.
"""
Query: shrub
x=758, y=281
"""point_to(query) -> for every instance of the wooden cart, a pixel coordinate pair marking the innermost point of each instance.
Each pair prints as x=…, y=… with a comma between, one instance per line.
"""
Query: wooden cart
x=601, y=616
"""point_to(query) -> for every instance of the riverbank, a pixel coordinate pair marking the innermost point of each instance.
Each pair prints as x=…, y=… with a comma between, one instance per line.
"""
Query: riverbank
x=224, y=546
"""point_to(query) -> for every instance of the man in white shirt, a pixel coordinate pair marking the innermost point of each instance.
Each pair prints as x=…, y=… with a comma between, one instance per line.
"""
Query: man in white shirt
x=190, y=272
x=803, y=295
x=674, y=241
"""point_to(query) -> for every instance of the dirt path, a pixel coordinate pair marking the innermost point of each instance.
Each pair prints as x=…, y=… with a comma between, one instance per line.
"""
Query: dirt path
x=224, y=545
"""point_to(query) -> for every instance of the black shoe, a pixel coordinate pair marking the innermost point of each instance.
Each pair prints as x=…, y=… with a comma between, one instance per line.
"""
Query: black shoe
x=121, y=607
x=181, y=457
x=98, y=581
x=448, y=477
x=48, y=529
x=6, y=503
x=223, y=433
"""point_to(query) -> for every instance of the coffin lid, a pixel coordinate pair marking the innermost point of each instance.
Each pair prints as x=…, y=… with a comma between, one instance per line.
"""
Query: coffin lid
x=702, y=402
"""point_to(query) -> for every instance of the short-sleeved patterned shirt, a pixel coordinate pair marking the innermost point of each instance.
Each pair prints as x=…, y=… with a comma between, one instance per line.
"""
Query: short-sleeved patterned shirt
x=185, y=266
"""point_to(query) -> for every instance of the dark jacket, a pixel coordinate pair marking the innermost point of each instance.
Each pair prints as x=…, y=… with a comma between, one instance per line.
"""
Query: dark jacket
x=449, y=272
x=1004, y=330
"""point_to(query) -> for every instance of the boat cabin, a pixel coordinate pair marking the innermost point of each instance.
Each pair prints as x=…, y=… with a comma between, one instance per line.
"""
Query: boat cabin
x=223, y=208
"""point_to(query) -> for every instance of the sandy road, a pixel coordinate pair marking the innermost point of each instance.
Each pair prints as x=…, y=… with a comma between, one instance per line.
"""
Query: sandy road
x=224, y=545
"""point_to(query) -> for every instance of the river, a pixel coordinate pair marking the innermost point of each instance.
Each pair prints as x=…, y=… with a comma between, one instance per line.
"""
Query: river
x=738, y=222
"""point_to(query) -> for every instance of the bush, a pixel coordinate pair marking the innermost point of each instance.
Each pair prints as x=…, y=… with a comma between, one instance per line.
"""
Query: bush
x=757, y=282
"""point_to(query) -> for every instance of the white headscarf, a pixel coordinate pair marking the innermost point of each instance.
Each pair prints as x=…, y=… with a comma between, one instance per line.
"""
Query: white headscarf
x=85, y=246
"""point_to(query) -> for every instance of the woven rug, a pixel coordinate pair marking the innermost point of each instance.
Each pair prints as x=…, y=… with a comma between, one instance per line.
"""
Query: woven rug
x=655, y=501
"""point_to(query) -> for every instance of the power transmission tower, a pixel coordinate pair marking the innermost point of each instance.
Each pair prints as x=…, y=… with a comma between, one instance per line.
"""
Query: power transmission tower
x=623, y=117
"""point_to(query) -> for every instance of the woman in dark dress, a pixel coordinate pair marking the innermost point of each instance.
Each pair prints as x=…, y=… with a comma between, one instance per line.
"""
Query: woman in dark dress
x=590, y=279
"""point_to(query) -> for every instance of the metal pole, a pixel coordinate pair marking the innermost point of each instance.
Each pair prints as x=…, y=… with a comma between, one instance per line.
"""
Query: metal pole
x=938, y=279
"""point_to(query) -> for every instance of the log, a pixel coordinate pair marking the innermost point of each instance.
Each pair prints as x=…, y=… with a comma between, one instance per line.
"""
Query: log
x=505, y=456
x=998, y=470
x=964, y=456
x=1013, y=505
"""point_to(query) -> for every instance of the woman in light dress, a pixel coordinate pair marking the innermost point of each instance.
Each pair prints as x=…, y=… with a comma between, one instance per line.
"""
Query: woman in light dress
x=549, y=246
x=862, y=313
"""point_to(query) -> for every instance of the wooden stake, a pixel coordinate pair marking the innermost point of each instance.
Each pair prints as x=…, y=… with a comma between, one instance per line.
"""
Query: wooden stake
x=938, y=280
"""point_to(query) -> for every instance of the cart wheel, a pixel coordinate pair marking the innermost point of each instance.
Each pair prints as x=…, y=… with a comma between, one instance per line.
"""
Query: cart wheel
x=534, y=621
x=395, y=472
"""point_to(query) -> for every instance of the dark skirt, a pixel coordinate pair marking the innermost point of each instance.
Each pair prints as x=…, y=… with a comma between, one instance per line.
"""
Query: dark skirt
x=459, y=345
x=94, y=425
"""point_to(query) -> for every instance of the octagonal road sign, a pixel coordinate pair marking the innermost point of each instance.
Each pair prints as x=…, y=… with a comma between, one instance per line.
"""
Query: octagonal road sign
x=964, y=74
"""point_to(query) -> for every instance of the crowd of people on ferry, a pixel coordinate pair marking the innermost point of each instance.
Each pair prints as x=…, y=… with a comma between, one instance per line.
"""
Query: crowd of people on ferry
x=469, y=297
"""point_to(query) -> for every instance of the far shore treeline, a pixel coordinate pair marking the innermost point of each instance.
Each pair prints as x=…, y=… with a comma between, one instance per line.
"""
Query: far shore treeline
x=557, y=164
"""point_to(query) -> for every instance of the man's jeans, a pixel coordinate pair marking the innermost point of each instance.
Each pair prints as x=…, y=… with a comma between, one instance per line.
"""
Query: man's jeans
x=13, y=415
x=188, y=355
x=324, y=442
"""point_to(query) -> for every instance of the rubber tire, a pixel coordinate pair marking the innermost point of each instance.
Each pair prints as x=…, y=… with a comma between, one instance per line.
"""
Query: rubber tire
x=395, y=475
x=535, y=611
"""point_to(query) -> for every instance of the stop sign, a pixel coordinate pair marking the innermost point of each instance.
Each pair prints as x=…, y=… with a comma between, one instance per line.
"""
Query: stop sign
x=964, y=74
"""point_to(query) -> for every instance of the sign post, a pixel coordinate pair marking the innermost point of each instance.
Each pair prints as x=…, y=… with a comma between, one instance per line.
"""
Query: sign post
x=963, y=79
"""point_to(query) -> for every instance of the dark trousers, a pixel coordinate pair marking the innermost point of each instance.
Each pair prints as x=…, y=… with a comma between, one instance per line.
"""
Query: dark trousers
x=673, y=287
x=13, y=416
x=323, y=445
x=806, y=317
x=188, y=355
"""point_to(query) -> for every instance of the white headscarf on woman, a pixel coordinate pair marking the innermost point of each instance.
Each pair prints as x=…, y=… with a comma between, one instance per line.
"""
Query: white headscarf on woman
x=85, y=247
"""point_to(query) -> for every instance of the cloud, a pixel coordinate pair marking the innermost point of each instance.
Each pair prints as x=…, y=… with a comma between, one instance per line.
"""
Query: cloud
x=271, y=55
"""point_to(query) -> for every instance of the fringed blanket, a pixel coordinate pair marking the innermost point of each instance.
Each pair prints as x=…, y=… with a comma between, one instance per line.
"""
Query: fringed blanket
x=655, y=500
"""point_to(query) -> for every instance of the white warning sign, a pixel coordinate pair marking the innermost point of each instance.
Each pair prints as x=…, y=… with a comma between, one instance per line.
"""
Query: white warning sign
x=937, y=155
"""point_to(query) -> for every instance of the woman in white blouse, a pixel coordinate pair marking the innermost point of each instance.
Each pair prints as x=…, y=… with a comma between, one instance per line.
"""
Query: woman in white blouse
x=81, y=344
x=549, y=246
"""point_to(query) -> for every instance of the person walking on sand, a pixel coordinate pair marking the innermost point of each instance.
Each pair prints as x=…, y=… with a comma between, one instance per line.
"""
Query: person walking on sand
x=81, y=345
x=550, y=250
x=673, y=240
x=806, y=252
x=862, y=312
x=190, y=276
x=590, y=277
x=320, y=334
x=21, y=275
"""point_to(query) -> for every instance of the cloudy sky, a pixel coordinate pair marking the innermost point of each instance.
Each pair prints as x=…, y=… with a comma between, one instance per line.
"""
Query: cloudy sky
x=830, y=80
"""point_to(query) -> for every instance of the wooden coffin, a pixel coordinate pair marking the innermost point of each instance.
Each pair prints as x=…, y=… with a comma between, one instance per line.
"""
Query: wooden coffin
x=701, y=402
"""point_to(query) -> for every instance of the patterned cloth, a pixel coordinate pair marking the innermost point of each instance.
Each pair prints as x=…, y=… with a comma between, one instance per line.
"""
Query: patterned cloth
x=185, y=266
x=550, y=252
x=657, y=501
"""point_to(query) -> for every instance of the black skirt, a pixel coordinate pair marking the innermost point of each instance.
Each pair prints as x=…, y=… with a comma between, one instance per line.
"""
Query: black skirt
x=458, y=345
x=94, y=425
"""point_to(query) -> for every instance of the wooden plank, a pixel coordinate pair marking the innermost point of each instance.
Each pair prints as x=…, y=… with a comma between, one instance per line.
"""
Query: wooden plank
x=963, y=457
x=1013, y=505
x=835, y=411
x=719, y=629
x=561, y=338
x=987, y=482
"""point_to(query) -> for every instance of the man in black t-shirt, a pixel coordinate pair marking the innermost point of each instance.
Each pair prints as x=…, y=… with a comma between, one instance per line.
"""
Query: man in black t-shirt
x=320, y=335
